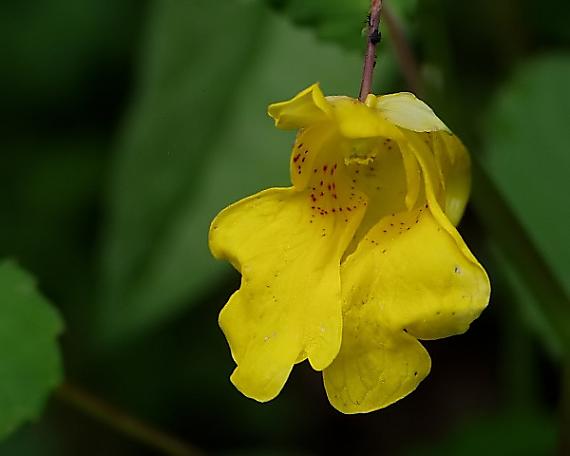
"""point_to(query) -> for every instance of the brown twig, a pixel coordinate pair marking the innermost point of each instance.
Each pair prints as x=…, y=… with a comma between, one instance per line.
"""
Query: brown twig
x=123, y=422
x=370, y=57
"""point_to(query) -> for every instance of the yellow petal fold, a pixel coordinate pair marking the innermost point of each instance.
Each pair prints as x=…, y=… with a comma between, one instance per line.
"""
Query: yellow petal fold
x=434, y=191
x=417, y=276
x=289, y=306
x=356, y=120
x=384, y=181
x=306, y=108
x=376, y=366
x=454, y=164
x=413, y=177
x=405, y=110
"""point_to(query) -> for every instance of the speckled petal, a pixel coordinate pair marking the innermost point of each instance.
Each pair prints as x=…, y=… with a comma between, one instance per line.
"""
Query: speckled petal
x=288, y=307
x=416, y=276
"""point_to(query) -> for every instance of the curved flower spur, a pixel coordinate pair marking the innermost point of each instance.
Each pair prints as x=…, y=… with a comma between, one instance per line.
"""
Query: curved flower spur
x=356, y=261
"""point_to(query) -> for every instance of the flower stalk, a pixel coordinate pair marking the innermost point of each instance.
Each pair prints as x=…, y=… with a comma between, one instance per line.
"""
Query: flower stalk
x=370, y=57
x=124, y=423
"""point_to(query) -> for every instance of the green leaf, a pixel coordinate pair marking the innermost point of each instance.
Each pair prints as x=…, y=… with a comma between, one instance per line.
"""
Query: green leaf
x=527, y=154
x=51, y=51
x=529, y=309
x=339, y=21
x=30, y=364
x=527, y=157
x=198, y=139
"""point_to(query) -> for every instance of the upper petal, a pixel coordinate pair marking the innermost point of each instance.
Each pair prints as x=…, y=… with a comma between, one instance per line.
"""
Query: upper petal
x=306, y=108
x=405, y=110
x=356, y=120
x=288, y=307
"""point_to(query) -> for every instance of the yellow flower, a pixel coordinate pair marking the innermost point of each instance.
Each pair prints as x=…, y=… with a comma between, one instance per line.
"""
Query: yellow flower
x=356, y=261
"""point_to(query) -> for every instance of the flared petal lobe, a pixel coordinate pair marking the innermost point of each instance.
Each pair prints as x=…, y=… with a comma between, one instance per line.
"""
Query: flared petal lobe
x=288, y=307
x=376, y=366
x=309, y=107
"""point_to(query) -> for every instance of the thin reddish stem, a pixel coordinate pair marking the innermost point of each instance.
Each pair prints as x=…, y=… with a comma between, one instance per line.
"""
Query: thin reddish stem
x=370, y=57
x=123, y=422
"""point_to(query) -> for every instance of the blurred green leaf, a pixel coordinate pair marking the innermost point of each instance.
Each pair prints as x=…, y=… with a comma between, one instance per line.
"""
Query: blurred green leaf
x=51, y=48
x=531, y=314
x=339, y=21
x=527, y=155
x=30, y=365
x=198, y=138
x=35, y=440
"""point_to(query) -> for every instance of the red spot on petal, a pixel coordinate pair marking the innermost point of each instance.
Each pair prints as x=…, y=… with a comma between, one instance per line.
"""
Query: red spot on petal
x=296, y=157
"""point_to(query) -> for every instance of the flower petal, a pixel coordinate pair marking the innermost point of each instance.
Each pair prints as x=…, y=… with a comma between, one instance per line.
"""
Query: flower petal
x=306, y=108
x=288, y=307
x=413, y=177
x=356, y=120
x=434, y=189
x=312, y=147
x=383, y=178
x=453, y=161
x=376, y=366
x=407, y=111
x=419, y=278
